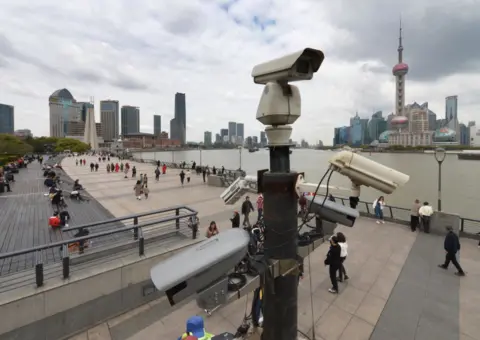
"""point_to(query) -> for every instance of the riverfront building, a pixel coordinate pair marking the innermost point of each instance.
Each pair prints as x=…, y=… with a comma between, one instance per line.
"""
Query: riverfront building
x=110, y=119
x=65, y=113
x=178, y=125
x=130, y=120
x=157, y=125
x=7, y=119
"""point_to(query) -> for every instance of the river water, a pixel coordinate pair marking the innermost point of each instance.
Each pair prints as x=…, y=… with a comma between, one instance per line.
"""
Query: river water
x=460, y=187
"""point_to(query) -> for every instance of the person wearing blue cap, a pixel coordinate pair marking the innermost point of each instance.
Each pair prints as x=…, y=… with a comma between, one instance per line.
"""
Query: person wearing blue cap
x=196, y=328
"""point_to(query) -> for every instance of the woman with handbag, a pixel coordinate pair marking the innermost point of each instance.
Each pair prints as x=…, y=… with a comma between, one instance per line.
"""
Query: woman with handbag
x=333, y=260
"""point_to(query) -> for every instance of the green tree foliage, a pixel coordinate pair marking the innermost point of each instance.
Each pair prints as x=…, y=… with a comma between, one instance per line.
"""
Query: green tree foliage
x=12, y=146
x=71, y=144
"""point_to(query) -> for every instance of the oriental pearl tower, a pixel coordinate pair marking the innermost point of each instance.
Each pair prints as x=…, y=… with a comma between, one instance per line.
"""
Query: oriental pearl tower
x=400, y=70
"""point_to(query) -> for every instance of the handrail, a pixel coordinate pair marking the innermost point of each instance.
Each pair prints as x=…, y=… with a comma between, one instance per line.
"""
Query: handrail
x=132, y=216
x=175, y=165
x=92, y=236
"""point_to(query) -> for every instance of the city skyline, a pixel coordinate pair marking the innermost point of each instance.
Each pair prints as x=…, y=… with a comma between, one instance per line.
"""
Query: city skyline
x=136, y=65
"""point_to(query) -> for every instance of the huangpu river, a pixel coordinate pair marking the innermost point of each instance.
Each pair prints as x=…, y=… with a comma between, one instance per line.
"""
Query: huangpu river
x=460, y=178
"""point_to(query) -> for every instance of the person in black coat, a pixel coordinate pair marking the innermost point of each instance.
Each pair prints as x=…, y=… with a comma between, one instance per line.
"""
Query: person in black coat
x=452, y=246
x=333, y=260
x=235, y=220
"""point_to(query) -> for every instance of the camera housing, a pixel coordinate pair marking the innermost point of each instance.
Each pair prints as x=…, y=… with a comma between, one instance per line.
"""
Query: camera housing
x=194, y=269
x=363, y=171
x=280, y=104
x=297, y=66
x=332, y=211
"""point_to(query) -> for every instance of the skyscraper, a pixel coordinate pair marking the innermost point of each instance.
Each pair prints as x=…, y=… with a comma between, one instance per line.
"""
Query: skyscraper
x=65, y=113
x=224, y=135
x=232, y=132
x=7, y=119
x=157, y=125
x=90, y=134
x=130, y=120
x=178, y=125
x=240, y=133
x=207, y=138
x=263, y=138
x=110, y=119
x=400, y=71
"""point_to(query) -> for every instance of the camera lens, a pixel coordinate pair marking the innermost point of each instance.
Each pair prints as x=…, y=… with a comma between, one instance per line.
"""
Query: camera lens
x=303, y=66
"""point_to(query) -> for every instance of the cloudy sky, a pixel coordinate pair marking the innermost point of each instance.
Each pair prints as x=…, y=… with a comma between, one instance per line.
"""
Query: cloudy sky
x=142, y=52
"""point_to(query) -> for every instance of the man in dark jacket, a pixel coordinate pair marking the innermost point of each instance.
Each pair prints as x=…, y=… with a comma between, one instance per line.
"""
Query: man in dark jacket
x=452, y=246
x=247, y=208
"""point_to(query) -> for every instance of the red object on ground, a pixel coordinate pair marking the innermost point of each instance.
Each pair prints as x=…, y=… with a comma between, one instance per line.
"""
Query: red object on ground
x=54, y=222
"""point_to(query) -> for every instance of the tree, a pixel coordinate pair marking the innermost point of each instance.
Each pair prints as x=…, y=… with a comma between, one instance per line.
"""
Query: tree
x=13, y=146
x=71, y=144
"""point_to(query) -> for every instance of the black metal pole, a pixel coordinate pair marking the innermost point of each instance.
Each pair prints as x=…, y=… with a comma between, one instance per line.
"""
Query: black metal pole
x=280, y=216
x=439, y=186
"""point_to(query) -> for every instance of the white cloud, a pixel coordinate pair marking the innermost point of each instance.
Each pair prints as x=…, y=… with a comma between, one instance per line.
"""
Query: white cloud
x=141, y=53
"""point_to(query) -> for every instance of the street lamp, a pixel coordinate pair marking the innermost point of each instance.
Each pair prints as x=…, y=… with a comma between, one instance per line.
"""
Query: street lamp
x=200, y=149
x=240, y=154
x=440, y=155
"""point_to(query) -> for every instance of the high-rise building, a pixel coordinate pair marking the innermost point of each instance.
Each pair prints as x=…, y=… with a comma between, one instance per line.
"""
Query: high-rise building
x=178, y=125
x=376, y=126
x=157, y=125
x=65, y=113
x=240, y=133
x=464, y=135
x=110, y=119
x=255, y=140
x=130, y=120
x=207, y=138
x=90, y=134
x=224, y=133
x=7, y=119
x=232, y=132
x=451, y=115
x=263, y=138
x=218, y=138
x=432, y=120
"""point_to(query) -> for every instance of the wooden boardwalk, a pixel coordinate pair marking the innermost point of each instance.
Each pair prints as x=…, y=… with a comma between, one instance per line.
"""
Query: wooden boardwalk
x=24, y=217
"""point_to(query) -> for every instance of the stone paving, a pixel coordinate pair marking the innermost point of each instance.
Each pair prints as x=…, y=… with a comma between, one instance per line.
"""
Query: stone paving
x=395, y=290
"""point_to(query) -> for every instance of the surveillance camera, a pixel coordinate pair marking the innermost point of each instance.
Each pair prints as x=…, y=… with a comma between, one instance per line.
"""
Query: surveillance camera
x=194, y=269
x=293, y=67
x=363, y=171
x=332, y=211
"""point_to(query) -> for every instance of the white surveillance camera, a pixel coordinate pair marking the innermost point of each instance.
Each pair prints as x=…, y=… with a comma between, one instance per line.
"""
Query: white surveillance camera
x=363, y=171
x=332, y=211
x=293, y=67
x=194, y=269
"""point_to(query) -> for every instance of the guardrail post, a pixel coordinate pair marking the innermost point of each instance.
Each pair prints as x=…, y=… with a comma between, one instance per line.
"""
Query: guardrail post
x=391, y=212
x=177, y=221
x=65, y=261
x=39, y=268
x=141, y=243
x=194, y=229
x=462, y=224
x=135, y=230
x=368, y=209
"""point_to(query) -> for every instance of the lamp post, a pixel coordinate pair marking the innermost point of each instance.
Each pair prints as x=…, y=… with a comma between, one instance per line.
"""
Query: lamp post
x=440, y=155
x=240, y=154
x=200, y=149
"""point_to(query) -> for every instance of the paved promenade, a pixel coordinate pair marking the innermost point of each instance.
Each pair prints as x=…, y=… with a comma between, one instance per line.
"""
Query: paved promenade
x=395, y=290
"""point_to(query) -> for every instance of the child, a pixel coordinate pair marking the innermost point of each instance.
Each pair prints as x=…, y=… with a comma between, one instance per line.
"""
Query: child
x=145, y=191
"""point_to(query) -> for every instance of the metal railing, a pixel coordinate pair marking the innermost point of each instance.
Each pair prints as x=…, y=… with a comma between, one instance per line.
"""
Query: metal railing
x=178, y=165
x=136, y=235
x=468, y=226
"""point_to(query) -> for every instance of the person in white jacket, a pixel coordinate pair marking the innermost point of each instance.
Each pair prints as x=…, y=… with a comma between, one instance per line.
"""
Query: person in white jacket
x=342, y=242
x=378, y=205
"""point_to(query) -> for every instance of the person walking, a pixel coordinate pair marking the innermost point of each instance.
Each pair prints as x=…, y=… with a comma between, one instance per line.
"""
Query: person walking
x=235, y=220
x=182, y=177
x=414, y=217
x=145, y=180
x=452, y=246
x=188, y=174
x=157, y=174
x=146, y=191
x=378, y=205
x=134, y=172
x=333, y=261
x=138, y=190
x=126, y=172
x=247, y=208
x=260, y=206
x=425, y=212
x=342, y=242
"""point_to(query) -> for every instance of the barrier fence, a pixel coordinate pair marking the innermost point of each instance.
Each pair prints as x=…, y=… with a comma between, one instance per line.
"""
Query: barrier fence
x=105, y=238
x=468, y=226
